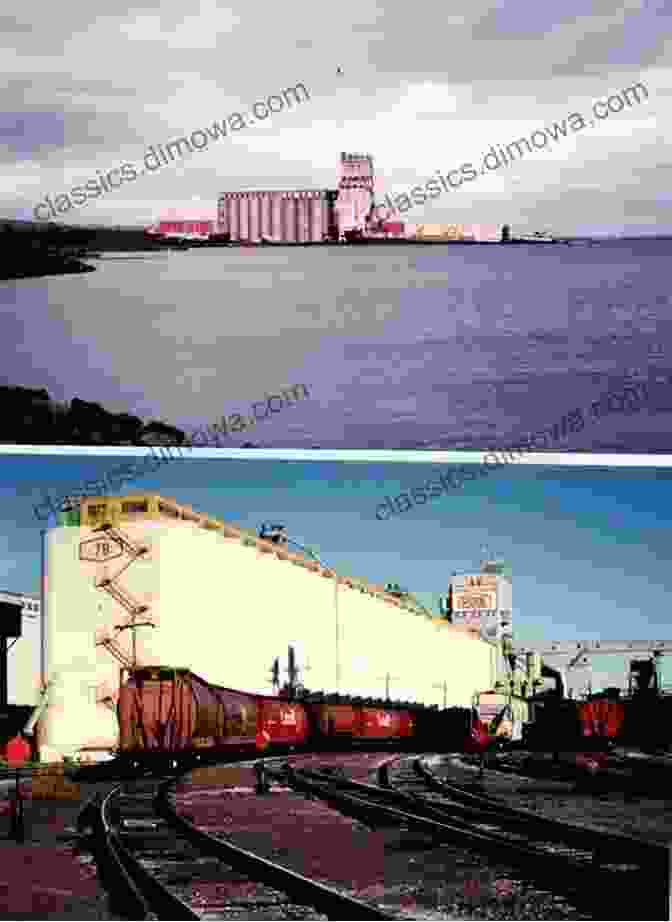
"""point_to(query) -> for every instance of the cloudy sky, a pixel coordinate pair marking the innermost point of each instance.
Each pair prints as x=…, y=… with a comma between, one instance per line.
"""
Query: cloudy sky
x=423, y=87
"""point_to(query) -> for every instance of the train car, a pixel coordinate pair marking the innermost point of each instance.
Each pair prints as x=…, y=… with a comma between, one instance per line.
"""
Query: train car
x=441, y=730
x=575, y=736
x=350, y=722
x=602, y=718
x=555, y=725
x=333, y=722
x=281, y=723
x=166, y=710
x=384, y=724
x=174, y=713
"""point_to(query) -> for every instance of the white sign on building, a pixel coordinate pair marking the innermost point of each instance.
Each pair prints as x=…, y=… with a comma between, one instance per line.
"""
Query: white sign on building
x=483, y=601
x=475, y=592
x=475, y=600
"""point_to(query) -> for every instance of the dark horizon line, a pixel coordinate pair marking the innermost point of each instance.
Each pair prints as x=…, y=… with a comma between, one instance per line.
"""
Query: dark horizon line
x=136, y=227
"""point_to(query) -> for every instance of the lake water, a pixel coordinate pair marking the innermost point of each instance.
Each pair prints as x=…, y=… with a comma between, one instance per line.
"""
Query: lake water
x=404, y=346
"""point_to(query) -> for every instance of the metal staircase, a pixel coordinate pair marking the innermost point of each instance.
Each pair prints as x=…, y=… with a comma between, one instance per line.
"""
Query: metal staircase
x=120, y=594
x=112, y=646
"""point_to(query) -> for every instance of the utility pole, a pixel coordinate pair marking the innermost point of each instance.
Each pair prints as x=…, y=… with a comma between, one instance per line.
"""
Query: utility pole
x=275, y=674
x=338, y=635
x=444, y=686
x=387, y=678
x=277, y=534
x=292, y=670
x=43, y=609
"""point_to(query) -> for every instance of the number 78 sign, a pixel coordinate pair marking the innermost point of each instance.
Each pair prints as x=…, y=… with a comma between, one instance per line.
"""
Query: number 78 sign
x=100, y=549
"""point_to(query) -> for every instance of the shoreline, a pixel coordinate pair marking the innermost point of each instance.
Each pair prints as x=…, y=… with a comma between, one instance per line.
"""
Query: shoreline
x=44, y=267
x=372, y=241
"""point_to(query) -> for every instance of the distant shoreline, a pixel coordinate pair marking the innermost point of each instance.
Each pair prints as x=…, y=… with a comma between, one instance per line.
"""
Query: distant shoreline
x=397, y=241
x=32, y=264
x=377, y=241
x=41, y=267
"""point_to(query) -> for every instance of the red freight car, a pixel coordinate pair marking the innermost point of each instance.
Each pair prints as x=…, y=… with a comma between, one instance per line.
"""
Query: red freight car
x=602, y=718
x=284, y=722
x=172, y=710
x=335, y=721
x=167, y=711
x=379, y=723
x=352, y=722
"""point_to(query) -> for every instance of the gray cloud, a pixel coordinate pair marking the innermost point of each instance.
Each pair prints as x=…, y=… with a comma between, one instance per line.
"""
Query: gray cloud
x=95, y=88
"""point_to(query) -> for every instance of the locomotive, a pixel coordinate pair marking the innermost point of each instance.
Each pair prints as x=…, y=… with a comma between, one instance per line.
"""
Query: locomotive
x=169, y=713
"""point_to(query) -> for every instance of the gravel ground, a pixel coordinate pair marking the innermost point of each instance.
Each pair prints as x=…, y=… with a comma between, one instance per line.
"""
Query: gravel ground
x=47, y=876
x=399, y=870
x=647, y=817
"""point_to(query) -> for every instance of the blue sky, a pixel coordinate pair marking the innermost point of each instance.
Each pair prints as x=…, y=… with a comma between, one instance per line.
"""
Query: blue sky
x=589, y=548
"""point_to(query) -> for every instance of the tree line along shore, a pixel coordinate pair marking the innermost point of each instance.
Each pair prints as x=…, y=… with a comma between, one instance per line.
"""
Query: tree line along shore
x=32, y=417
x=30, y=250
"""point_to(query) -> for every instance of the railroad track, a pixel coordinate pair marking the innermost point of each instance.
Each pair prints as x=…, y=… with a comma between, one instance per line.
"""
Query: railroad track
x=603, y=872
x=638, y=775
x=154, y=863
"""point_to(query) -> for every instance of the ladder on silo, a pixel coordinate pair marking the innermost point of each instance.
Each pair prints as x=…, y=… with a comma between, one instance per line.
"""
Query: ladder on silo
x=112, y=647
x=123, y=597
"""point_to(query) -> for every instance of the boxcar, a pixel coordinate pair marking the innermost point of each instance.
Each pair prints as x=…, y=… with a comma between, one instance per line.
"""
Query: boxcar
x=284, y=722
x=379, y=723
x=334, y=721
x=602, y=718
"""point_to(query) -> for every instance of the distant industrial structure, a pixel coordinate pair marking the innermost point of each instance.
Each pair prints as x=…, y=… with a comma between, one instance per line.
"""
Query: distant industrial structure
x=355, y=201
x=184, y=229
x=302, y=215
x=466, y=232
x=311, y=216
x=297, y=216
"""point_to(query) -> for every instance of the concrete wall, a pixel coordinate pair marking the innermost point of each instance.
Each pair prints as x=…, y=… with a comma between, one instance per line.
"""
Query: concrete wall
x=226, y=610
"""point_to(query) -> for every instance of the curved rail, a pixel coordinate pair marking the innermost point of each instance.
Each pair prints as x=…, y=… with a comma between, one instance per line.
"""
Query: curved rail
x=136, y=889
x=546, y=828
x=304, y=890
x=137, y=894
x=582, y=866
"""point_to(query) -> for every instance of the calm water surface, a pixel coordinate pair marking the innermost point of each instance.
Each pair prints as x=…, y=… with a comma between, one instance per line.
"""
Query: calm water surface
x=440, y=347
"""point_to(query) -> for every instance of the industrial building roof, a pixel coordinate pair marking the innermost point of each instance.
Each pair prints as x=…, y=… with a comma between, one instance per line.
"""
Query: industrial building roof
x=96, y=511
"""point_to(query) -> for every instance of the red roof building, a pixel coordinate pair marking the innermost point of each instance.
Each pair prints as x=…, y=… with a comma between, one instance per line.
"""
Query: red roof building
x=183, y=228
